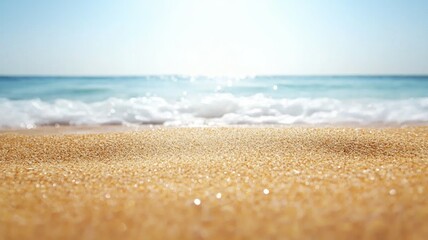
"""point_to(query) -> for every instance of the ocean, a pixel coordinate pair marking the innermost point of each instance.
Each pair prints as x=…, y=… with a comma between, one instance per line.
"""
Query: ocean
x=28, y=102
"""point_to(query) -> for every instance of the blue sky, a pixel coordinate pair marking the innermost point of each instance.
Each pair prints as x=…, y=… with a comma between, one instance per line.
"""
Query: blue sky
x=213, y=37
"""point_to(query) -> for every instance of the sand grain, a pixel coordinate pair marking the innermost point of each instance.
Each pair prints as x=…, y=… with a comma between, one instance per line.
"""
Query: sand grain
x=221, y=183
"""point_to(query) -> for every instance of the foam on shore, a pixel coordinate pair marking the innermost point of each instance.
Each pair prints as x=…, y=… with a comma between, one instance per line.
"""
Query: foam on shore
x=216, y=109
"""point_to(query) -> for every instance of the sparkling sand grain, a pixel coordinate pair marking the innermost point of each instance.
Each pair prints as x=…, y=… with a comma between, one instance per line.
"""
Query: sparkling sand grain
x=216, y=183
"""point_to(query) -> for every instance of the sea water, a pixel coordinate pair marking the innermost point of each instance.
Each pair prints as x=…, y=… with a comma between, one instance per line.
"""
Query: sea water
x=27, y=102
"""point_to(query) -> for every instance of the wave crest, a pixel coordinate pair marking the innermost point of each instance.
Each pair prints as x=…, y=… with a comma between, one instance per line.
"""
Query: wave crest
x=216, y=109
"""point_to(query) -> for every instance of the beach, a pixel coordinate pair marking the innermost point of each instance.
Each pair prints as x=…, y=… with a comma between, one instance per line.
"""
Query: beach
x=215, y=183
x=206, y=120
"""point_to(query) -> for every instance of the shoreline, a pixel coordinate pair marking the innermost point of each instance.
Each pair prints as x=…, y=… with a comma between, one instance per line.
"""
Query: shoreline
x=96, y=129
x=216, y=183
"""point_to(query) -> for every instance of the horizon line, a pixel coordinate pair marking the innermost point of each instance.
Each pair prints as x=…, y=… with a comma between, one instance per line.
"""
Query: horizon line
x=207, y=75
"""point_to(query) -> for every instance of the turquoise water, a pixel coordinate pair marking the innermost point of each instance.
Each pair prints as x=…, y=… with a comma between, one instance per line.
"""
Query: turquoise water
x=185, y=100
x=101, y=88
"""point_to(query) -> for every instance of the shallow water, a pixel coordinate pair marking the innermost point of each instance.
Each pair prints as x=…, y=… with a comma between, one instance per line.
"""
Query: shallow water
x=26, y=102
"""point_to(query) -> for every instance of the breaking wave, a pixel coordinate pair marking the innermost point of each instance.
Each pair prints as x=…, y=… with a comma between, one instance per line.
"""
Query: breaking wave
x=215, y=109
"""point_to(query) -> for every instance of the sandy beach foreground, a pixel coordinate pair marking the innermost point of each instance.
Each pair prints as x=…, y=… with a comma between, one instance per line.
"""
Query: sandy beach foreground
x=216, y=183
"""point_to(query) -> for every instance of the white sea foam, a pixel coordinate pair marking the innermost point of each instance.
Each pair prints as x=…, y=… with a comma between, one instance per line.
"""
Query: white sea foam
x=217, y=109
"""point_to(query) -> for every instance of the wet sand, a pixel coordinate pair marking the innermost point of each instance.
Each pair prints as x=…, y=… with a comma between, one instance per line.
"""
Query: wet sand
x=216, y=183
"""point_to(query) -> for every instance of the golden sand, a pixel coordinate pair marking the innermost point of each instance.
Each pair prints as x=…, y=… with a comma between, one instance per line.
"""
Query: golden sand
x=216, y=183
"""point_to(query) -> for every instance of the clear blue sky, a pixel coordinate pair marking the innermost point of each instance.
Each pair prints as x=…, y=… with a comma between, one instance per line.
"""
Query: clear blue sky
x=213, y=37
